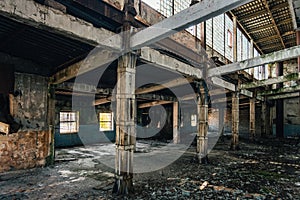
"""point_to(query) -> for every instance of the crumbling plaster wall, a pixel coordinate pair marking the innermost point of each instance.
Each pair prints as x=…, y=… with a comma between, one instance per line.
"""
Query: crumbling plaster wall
x=292, y=105
x=30, y=146
x=30, y=106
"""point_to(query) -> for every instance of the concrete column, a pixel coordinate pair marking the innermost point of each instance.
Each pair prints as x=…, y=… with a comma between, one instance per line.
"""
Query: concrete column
x=252, y=118
x=125, y=124
x=265, y=119
x=298, y=43
x=125, y=110
x=279, y=106
x=235, y=121
x=176, y=133
x=234, y=39
x=51, y=122
x=202, y=140
x=221, y=121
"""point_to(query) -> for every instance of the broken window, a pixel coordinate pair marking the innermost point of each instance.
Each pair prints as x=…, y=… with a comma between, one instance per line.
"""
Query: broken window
x=106, y=121
x=69, y=122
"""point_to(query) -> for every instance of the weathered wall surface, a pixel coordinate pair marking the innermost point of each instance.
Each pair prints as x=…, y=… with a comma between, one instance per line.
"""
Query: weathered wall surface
x=30, y=107
x=292, y=117
x=29, y=147
x=88, y=124
x=24, y=150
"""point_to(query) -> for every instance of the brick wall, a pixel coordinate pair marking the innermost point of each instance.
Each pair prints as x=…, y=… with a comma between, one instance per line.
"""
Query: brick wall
x=24, y=150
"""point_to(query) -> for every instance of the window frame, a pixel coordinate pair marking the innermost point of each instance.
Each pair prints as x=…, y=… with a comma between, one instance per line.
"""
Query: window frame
x=76, y=121
x=111, y=121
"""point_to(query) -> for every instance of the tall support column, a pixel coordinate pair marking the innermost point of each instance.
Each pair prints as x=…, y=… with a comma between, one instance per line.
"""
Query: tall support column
x=252, y=118
x=279, y=106
x=234, y=39
x=125, y=124
x=176, y=133
x=221, y=121
x=298, y=43
x=235, y=121
x=51, y=123
x=125, y=110
x=202, y=139
x=265, y=119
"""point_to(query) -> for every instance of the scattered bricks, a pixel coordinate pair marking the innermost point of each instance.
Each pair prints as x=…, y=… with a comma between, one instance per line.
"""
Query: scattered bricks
x=3, y=146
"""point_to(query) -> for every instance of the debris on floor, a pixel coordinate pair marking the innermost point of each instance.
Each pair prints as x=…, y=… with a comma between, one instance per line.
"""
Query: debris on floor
x=265, y=170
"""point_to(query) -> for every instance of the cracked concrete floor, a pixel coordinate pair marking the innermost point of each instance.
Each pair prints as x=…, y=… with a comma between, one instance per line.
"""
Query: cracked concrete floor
x=264, y=170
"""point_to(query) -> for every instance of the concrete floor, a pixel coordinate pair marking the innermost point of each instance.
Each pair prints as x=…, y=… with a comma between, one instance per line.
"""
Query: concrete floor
x=265, y=170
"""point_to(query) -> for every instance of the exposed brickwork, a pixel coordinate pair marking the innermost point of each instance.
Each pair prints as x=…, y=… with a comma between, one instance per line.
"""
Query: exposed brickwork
x=24, y=150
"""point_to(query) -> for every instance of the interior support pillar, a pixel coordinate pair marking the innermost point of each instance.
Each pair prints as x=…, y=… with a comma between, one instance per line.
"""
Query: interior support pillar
x=279, y=106
x=202, y=139
x=125, y=124
x=298, y=43
x=221, y=121
x=235, y=121
x=51, y=123
x=176, y=132
x=252, y=118
x=265, y=119
x=125, y=109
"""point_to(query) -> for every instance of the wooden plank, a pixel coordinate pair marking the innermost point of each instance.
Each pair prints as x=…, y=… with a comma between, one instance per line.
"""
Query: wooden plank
x=280, y=79
x=4, y=128
x=102, y=101
x=154, y=103
x=229, y=86
x=165, y=85
x=284, y=96
x=193, y=15
x=222, y=83
x=166, y=62
x=279, y=91
x=281, y=55
x=98, y=59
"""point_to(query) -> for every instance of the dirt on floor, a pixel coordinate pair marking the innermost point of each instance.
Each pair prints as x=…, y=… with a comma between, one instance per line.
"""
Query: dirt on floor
x=269, y=169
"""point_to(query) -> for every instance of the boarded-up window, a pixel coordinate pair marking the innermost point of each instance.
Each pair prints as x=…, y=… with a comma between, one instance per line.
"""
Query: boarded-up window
x=106, y=121
x=69, y=122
